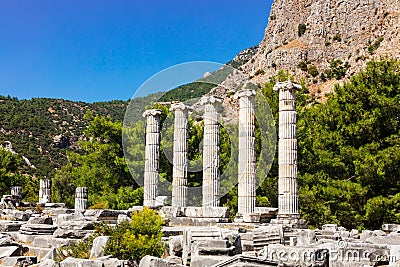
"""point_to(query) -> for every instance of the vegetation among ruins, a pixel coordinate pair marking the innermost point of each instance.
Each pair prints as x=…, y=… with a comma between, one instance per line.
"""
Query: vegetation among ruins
x=128, y=240
x=348, y=153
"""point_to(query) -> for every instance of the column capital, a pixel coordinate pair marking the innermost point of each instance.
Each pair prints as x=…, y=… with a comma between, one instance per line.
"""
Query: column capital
x=180, y=106
x=152, y=112
x=288, y=85
x=210, y=100
x=245, y=93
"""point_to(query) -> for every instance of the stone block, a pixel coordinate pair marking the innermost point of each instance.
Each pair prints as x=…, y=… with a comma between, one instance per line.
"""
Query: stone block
x=150, y=261
x=98, y=246
x=251, y=217
x=10, y=226
x=206, y=261
x=206, y=212
x=391, y=227
x=49, y=263
x=330, y=227
x=73, y=262
x=40, y=220
x=8, y=251
x=70, y=233
x=19, y=261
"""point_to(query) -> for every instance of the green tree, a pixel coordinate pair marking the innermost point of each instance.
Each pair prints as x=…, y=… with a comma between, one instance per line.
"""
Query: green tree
x=101, y=167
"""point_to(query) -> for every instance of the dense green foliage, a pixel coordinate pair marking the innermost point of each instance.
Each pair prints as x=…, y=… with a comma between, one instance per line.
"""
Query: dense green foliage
x=349, y=151
x=10, y=175
x=100, y=166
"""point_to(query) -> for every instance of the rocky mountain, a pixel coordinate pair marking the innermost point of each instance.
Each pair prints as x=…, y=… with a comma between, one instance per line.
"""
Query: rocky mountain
x=325, y=41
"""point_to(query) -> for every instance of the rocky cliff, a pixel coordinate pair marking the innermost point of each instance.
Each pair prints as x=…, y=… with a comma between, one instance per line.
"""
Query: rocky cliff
x=305, y=36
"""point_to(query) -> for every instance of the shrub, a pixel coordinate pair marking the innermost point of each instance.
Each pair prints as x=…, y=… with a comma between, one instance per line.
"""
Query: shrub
x=375, y=45
x=337, y=38
x=132, y=241
x=338, y=69
x=128, y=241
x=302, y=65
x=313, y=71
x=301, y=29
x=259, y=72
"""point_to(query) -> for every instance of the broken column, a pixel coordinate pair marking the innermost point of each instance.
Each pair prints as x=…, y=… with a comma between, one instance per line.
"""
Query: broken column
x=151, y=168
x=81, y=199
x=210, y=152
x=16, y=191
x=247, y=153
x=45, y=191
x=180, y=155
x=288, y=207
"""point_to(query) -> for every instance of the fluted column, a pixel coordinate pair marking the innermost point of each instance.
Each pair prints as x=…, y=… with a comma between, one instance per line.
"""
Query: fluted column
x=151, y=168
x=247, y=153
x=210, y=152
x=45, y=191
x=81, y=199
x=16, y=191
x=180, y=156
x=287, y=151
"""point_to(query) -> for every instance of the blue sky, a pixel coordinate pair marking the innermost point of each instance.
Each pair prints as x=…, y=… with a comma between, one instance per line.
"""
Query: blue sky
x=104, y=50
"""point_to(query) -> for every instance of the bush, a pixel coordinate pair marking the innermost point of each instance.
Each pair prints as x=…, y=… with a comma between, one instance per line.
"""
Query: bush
x=375, y=45
x=259, y=72
x=338, y=69
x=132, y=241
x=337, y=38
x=128, y=241
x=301, y=29
x=313, y=71
x=302, y=65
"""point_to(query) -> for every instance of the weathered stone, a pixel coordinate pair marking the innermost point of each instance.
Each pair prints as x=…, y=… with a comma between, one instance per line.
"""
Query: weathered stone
x=74, y=262
x=152, y=154
x=69, y=233
x=49, y=263
x=206, y=212
x=180, y=155
x=210, y=152
x=40, y=220
x=288, y=205
x=45, y=191
x=7, y=251
x=247, y=153
x=175, y=245
x=206, y=261
x=81, y=199
x=38, y=229
x=150, y=261
x=10, y=226
x=98, y=246
x=391, y=227
x=19, y=261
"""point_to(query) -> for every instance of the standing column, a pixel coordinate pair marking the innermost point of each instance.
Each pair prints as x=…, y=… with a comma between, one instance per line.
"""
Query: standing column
x=288, y=207
x=16, y=191
x=247, y=153
x=180, y=157
x=210, y=152
x=45, y=191
x=151, y=167
x=81, y=199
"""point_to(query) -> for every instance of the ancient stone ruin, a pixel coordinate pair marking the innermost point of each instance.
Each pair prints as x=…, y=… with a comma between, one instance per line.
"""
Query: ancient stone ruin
x=200, y=236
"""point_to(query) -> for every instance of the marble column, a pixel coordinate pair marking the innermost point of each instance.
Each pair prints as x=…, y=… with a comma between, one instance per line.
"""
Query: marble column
x=288, y=206
x=45, y=191
x=151, y=168
x=247, y=153
x=180, y=155
x=16, y=191
x=81, y=199
x=210, y=151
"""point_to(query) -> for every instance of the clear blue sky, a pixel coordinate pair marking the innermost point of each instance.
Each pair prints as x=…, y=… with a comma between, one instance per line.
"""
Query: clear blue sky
x=105, y=49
